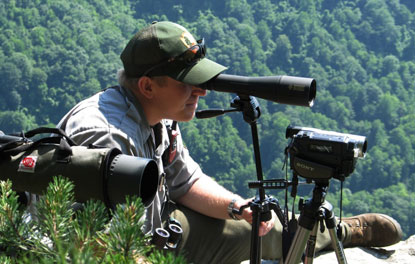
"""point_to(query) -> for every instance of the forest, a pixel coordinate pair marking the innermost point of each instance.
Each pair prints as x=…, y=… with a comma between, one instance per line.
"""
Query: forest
x=54, y=53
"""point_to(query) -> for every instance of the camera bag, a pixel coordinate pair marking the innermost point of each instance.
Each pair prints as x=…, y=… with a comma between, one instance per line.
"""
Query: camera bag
x=32, y=164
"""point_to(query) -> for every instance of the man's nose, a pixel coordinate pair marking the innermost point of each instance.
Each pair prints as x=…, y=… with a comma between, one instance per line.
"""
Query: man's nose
x=199, y=91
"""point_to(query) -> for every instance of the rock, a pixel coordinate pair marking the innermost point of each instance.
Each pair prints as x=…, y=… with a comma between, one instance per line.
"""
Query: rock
x=400, y=253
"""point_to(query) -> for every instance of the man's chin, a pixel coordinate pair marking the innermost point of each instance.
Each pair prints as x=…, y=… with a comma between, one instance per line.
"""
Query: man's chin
x=184, y=118
x=189, y=118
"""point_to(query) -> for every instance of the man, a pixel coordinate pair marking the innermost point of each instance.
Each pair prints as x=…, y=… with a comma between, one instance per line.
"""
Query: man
x=163, y=66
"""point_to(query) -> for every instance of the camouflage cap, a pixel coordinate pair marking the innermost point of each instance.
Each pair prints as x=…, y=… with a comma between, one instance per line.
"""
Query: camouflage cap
x=158, y=50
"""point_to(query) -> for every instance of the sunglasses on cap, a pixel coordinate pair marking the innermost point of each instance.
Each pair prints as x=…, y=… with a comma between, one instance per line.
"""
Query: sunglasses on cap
x=190, y=57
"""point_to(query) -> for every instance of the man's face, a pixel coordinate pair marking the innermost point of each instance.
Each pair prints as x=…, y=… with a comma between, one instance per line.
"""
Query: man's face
x=176, y=100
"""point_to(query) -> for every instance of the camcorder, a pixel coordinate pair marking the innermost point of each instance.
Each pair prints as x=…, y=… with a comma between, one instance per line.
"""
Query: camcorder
x=320, y=155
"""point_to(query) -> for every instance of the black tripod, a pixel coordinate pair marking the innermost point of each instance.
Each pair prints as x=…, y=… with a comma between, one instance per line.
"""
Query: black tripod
x=262, y=205
x=261, y=211
x=313, y=212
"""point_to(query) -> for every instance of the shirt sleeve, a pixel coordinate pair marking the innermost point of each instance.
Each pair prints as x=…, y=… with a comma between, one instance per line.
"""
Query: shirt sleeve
x=94, y=129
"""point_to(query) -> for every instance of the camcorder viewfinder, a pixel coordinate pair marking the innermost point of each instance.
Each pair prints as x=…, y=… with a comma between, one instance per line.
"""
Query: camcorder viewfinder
x=321, y=155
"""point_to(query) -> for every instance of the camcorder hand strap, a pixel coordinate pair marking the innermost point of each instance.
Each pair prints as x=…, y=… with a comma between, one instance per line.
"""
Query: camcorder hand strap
x=289, y=229
x=290, y=225
x=339, y=229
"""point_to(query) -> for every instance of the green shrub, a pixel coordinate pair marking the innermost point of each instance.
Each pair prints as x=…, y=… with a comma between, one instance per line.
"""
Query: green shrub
x=57, y=233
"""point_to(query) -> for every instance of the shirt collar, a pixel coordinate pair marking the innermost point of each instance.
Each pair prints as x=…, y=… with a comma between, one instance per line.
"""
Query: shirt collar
x=145, y=127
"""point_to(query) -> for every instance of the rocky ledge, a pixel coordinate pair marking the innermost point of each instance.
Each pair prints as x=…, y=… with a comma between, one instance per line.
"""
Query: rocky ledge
x=400, y=253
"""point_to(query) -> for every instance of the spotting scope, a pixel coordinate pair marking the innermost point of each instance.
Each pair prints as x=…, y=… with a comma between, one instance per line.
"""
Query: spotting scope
x=279, y=89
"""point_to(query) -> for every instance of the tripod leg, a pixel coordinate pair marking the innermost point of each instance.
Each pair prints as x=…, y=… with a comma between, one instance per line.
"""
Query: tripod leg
x=312, y=211
x=331, y=226
x=311, y=245
x=336, y=244
x=256, y=240
x=298, y=245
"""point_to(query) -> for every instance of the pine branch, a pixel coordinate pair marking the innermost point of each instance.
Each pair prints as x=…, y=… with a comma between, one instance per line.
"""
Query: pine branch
x=125, y=233
x=12, y=228
x=59, y=234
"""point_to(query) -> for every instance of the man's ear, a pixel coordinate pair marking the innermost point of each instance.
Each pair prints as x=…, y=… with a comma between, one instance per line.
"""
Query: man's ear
x=145, y=87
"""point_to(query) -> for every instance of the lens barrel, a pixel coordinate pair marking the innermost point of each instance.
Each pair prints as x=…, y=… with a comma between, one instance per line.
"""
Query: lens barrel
x=280, y=89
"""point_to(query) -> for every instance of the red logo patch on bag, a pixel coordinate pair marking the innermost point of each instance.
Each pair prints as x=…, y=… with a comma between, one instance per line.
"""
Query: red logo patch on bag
x=28, y=164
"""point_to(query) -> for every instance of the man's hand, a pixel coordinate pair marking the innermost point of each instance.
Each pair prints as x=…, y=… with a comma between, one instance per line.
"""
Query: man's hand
x=209, y=198
x=264, y=227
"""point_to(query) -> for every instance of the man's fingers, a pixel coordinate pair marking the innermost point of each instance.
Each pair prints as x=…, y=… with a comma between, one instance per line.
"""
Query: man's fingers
x=265, y=227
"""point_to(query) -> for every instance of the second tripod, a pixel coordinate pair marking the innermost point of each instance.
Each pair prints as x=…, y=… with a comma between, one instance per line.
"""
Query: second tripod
x=313, y=212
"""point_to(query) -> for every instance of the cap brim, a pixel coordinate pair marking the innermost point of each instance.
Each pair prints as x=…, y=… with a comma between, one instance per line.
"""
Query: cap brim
x=199, y=73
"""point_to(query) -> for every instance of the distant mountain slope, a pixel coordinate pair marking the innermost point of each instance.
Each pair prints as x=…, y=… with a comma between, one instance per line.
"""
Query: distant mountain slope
x=361, y=52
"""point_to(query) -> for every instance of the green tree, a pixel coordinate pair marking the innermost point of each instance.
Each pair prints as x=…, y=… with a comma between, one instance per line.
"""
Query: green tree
x=55, y=53
x=16, y=121
x=58, y=233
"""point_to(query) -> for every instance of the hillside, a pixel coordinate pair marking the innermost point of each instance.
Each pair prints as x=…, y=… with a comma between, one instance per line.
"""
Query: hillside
x=362, y=54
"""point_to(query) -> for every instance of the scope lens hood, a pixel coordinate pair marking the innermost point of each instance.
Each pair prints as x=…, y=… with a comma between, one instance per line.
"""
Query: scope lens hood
x=133, y=176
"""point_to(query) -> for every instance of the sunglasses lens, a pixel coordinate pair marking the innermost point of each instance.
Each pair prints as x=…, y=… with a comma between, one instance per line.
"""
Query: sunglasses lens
x=201, y=44
x=194, y=53
x=190, y=56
